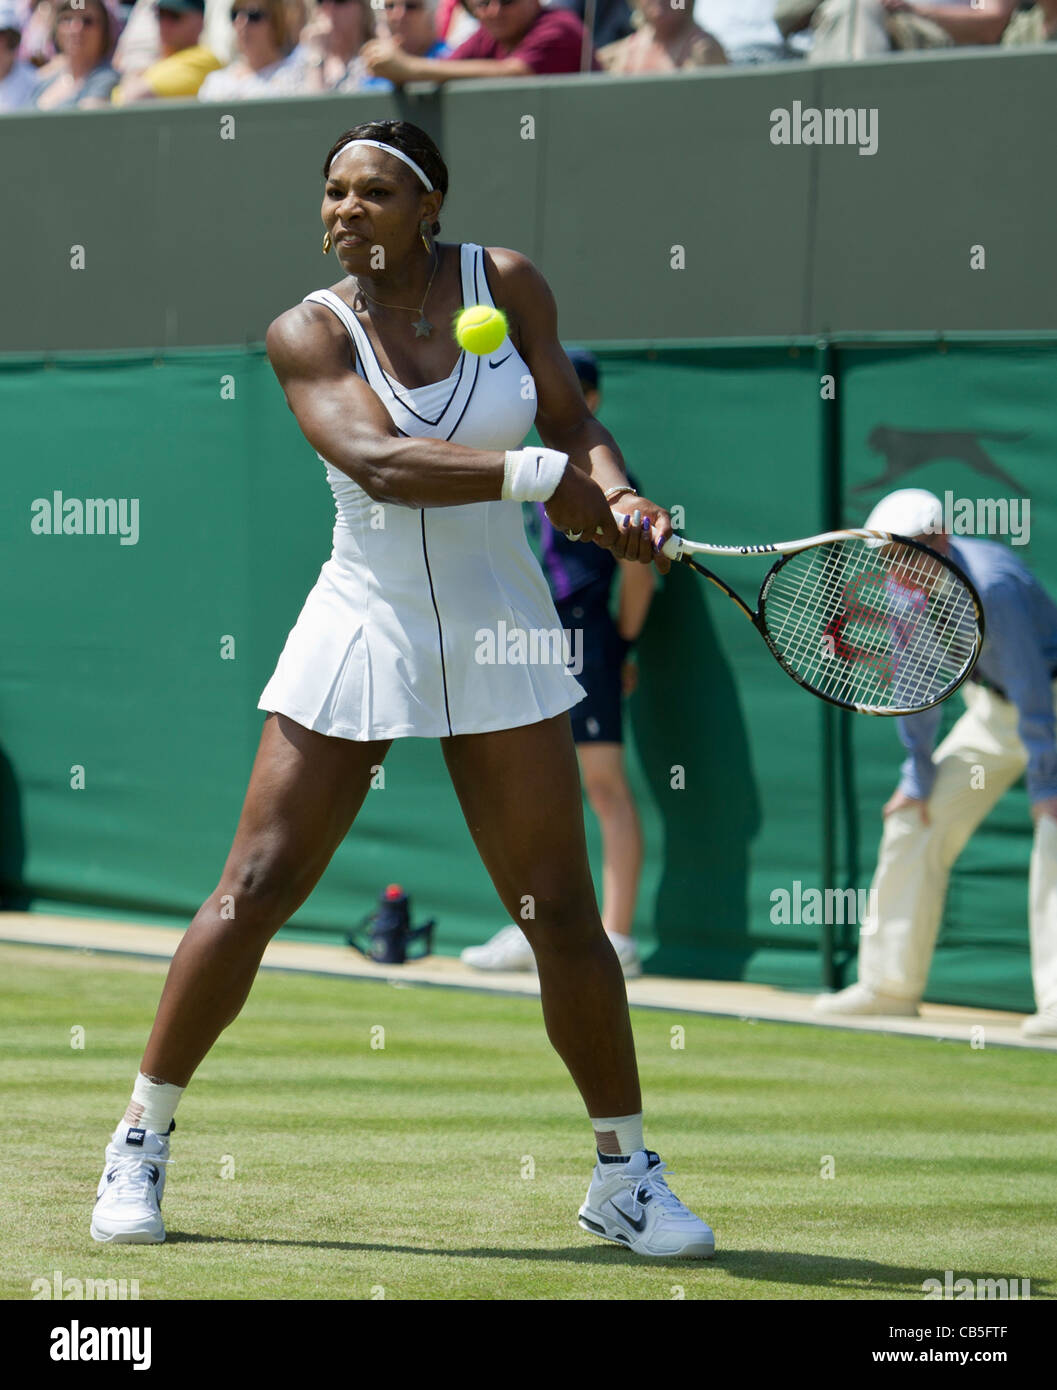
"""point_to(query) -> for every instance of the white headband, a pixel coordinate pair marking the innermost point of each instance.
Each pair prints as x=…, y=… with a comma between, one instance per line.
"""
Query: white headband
x=397, y=154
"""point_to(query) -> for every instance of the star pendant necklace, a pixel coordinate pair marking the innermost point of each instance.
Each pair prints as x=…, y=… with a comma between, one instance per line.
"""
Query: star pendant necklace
x=422, y=326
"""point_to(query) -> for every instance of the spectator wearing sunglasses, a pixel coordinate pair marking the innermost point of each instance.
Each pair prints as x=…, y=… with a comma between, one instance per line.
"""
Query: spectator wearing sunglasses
x=329, y=55
x=185, y=62
x=411, y=24
x=516, y=38
x=261, y=65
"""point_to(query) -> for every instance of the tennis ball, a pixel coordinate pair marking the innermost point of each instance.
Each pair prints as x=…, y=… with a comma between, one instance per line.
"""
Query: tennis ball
x=480, y=329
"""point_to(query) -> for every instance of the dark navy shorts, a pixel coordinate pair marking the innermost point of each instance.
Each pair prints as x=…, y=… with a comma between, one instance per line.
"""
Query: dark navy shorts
x=593, y=637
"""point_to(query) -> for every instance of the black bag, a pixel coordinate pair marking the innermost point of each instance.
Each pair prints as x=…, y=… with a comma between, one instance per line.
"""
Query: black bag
x=389, y=930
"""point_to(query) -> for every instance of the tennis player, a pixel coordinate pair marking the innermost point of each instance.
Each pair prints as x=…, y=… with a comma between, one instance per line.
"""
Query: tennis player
x=420, y=444
x=1009, y=727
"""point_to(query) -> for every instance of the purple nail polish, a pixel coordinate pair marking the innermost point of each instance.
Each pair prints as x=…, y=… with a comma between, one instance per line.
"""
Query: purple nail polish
x=646, y=524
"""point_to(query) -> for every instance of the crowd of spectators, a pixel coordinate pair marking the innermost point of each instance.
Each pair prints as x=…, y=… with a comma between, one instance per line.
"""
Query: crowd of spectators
x=58, y=54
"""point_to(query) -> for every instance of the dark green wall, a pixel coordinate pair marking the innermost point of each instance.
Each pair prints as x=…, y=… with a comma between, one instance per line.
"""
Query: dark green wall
x=191, y=239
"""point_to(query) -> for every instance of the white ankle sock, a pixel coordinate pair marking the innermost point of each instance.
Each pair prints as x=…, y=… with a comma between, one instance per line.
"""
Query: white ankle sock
x=618, y=1137
x=153, y=1104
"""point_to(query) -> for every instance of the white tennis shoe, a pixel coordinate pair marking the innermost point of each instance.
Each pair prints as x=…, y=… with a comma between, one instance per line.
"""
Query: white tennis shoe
x=1041, y=1025
x=507, y=950
x=128, y=1200
x=631, y=1204
x=627, y=954
x=860, y=1000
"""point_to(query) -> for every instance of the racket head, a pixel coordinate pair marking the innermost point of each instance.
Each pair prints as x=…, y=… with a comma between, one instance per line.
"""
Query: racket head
x=883, y=626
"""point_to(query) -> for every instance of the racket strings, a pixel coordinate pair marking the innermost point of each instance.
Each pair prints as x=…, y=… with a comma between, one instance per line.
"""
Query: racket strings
x=879, y=628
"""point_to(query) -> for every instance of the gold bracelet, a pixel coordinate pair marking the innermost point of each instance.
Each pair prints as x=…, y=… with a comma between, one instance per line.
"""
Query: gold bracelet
x=615, y=492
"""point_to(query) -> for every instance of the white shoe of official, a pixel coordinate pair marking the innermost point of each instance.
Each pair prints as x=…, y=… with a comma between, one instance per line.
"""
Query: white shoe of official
x=860, y=999
x=507, y=950
x=1041, y=1025
x=631, y=1204
x=127, y=1209
x=627, y=954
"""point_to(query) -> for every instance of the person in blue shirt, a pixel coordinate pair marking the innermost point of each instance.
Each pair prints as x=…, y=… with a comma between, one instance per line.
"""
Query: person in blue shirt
x=581, y=577
x=1009, y=729
x=412, y=26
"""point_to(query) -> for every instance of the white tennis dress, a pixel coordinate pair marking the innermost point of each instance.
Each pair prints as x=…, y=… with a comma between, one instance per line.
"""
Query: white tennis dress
x=412, y=627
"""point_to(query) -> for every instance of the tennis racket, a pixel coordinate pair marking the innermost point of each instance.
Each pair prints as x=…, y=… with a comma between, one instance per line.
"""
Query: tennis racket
x=867, y=620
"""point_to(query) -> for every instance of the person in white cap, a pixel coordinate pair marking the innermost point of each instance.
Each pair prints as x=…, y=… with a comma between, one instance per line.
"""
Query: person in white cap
x=1009, y=727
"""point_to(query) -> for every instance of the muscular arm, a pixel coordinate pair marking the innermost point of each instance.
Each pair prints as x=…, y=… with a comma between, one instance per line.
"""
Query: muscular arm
x=344, y=421
x=450, y=70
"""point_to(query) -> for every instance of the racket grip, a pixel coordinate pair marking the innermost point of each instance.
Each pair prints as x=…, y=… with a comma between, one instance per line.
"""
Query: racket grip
x=673, y=547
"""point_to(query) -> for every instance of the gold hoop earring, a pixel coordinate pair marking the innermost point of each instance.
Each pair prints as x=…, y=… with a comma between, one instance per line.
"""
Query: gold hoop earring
x=327, y=243
x=423, y=227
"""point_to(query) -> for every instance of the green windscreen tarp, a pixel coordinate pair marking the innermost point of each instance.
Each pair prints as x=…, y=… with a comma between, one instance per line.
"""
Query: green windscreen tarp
x=131, y=672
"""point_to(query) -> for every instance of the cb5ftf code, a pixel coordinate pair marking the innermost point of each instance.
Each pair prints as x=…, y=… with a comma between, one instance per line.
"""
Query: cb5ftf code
x=919, y=1334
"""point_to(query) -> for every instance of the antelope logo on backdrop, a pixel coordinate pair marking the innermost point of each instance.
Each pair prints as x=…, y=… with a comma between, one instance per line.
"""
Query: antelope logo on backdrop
x=906, y=450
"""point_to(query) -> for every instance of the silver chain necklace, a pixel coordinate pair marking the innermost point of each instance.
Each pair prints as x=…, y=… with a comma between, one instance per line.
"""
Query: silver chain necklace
x=422, y=326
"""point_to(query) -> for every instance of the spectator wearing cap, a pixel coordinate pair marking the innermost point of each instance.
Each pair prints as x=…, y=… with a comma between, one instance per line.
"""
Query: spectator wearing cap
x=260, y=68
x=850, y=29
x=140, y=43
x=1034, y=26
x=17, y=78
x=185, y=62
x=85, y=34
x=329, y=56
x=516, y=38
x=665, y=40
x=1009, y=727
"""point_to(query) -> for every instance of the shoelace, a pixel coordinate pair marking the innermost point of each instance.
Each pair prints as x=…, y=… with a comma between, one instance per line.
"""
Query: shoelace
x=129, y=1173
x=656, y=1185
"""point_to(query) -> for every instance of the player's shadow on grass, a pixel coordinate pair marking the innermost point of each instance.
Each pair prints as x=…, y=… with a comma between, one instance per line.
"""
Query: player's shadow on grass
x=694, y=749
x=791, y=1268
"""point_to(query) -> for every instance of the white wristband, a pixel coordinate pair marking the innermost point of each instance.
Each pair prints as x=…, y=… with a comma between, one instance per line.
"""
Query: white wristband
x=532, y=475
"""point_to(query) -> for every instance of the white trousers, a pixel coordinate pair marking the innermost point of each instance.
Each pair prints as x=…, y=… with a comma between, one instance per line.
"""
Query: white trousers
x=976, y=763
